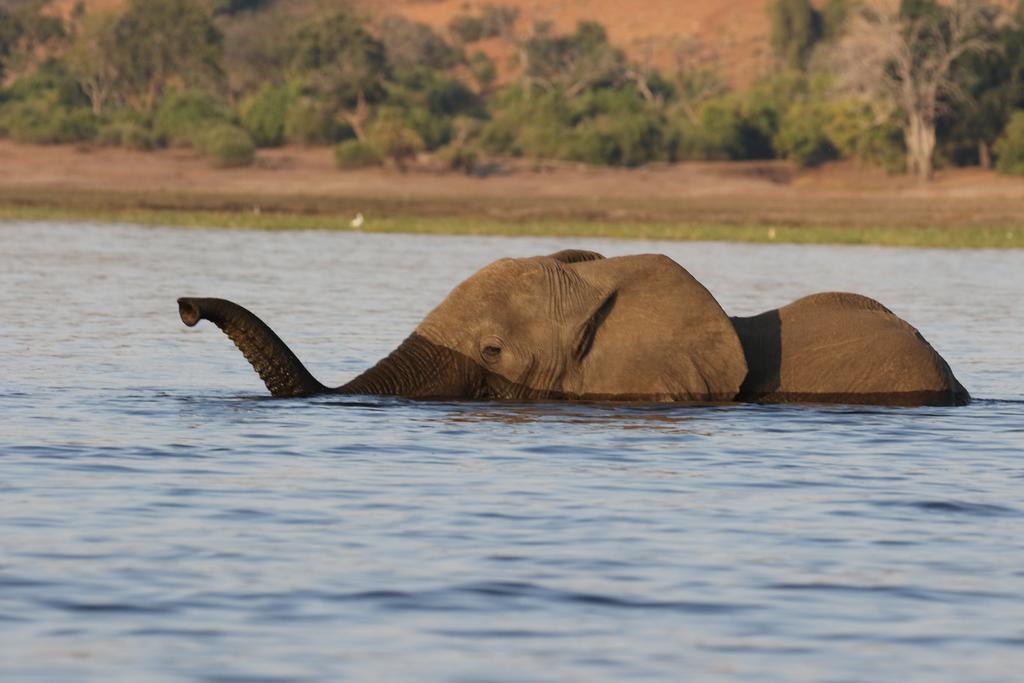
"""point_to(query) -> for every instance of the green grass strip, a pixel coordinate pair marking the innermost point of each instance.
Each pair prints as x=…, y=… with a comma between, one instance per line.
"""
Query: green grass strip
x=947, y=237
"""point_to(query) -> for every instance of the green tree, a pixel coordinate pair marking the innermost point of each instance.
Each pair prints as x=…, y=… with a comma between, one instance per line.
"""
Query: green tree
x=428, y=101
x=907, y=56
x=47, y=106
x=534, y=125
x=340, y=63
x=497, y=20
x=257, y=47
x=572, y=63
x=696, y=78
x=411, y=43
x=483, y=69
x=494, y=21
x=393, y=139
x=992, y=88
x=466, y=28
x=10, y=30
x=92, y=58
x=265, y=113
x=802, y=134
x=1010, y=146
x=23, y=28
x=833, y=18
x=183, y=116
x=796, y=28
x=866, y=131
x=236, y=6
x=159, y=42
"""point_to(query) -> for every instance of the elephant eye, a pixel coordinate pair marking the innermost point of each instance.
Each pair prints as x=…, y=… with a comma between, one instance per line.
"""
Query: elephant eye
x=491, y=352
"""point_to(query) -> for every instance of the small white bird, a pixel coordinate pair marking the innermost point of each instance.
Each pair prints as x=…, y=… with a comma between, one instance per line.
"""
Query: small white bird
x=357, y=221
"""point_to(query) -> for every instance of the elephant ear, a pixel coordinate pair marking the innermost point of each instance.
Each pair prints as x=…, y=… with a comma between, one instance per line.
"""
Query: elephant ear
x=575, y=256
x=664, y=338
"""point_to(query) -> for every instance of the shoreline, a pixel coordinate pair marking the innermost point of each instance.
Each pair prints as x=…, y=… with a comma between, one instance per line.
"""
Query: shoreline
x=907, y=237
x=298, y=188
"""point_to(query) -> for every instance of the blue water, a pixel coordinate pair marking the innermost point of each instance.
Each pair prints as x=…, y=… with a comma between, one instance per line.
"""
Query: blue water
x=162, y=520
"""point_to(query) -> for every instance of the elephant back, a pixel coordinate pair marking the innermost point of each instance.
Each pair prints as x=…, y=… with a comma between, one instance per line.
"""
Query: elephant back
x=666, y=338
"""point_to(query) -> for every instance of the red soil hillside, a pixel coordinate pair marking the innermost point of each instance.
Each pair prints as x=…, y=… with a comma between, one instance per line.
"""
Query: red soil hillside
x=734, y=32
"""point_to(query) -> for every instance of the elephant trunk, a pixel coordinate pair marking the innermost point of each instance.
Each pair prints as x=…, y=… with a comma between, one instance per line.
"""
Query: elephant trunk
x=419, y=368
x=275, y=363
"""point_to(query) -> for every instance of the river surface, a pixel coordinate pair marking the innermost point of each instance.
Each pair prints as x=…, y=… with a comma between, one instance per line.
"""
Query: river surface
x=161, y=519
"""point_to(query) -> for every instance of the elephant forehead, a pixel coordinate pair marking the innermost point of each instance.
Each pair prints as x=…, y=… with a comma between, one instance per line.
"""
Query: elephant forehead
x=509, y=270
x=500, y=283
x=505, y=289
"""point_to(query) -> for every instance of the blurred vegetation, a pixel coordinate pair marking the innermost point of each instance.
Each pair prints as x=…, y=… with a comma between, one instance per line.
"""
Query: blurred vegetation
x=1010, y=147
x=226, y=76
x=125, y=134
x=226, y=146
x=183, y=117
x=265, y=114
x=356, y=154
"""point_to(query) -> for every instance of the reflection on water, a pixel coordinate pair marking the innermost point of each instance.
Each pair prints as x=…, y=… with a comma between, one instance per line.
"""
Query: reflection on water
x=162, y=519
x=624, y=415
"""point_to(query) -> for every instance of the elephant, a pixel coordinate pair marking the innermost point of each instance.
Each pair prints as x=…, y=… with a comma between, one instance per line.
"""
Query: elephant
x=575, y=325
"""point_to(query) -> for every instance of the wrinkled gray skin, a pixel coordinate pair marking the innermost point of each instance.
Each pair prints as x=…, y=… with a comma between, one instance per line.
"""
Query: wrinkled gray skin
x=577, y=326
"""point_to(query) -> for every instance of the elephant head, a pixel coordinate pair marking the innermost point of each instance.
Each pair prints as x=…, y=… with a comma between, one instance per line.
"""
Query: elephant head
x=572, y=325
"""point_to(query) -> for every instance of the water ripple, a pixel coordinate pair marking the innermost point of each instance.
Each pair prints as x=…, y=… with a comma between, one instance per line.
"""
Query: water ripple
x=161, y=519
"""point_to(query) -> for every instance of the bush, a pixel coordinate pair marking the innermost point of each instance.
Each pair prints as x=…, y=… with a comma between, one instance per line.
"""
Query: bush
x=51, y=79
x=747, y=125
x=853, y=128
x=535, y=126
x=621, y=139
x=1009, y=148
x=483, y=69
x=309, y=122
x=236, y=6
x=47, y=107
x=352, y=154
x=497, y=19
x=801, y=135
x=109, y=135
x=42, y=120
x=433, y=130
x=427, y=101
x=125, y=134
x=450, y=96
x=182, y=114
x=716, y=135
x=411, y=43
x=466, y=128
x=459, y=157
x=393, y=140
x=264, y=114
x=227, y=146
x=466, y=29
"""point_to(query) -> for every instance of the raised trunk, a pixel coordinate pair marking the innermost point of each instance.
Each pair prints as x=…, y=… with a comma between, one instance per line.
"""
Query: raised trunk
x=418, y=368
x=275, y=363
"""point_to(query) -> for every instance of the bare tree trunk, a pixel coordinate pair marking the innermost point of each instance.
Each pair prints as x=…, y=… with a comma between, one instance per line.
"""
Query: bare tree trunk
x=919, y=136
x=151, y=93
x=984, y=155
x=96, y=96
x=909, y=62
x=357, y=117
